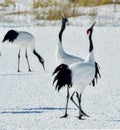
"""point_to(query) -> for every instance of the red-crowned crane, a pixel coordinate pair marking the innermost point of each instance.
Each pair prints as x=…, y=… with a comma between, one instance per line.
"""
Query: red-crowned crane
x=23, y=40
x=78, y=75
x=64, y=58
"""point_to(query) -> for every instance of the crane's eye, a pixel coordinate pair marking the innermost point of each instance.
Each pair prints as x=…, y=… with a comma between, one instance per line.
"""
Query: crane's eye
x=42, y=60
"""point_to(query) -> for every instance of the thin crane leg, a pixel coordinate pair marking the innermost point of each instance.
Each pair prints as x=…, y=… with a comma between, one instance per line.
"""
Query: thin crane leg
x=84, y=114
x=27, y=60
x=73, y=100
x=19, y=61
x=81, y=112
x=79, y=102
x=68, y=95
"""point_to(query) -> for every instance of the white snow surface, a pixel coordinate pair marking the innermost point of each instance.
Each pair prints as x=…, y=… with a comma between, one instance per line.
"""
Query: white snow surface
x=28, y=101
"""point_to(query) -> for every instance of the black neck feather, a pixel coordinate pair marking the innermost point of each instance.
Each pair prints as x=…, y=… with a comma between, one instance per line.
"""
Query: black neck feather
x=91, y=43
x=38, y=56
x=41, y=60
x=61, y=31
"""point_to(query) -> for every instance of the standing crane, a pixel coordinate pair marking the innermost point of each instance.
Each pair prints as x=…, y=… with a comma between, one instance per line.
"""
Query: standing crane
x=63, y=57
x=23, y=40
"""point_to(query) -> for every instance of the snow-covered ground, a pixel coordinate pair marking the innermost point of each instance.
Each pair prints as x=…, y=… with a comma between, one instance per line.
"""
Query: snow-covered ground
x=28, y=101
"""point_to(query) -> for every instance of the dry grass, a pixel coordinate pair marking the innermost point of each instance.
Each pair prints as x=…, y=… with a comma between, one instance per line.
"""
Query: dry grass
x=118, y=1
x=56, y=8
x=90, y=2
x=53, y=15
x=43, y=4
x=18, y=13
x=7, y=3
x=2, y=4
x=53, y=9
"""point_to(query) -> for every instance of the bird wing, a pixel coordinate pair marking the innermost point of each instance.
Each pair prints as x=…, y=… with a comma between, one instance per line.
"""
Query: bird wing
x=69, y=59
x=62, y=77
x=82, y=73
x=97, y=74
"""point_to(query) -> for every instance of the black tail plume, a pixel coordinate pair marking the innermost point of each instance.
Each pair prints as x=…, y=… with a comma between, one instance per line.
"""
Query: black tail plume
x=97, y=74
x=62, y=77
x=11, y=36
x=40, y=58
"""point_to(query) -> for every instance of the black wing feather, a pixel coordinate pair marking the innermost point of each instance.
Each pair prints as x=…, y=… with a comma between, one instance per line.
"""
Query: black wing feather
x=97, y=74
x=62, y=77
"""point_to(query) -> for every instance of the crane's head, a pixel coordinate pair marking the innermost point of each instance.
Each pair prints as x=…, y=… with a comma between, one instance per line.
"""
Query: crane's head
x=91, y=28
x=42, y=62
x=64, y=20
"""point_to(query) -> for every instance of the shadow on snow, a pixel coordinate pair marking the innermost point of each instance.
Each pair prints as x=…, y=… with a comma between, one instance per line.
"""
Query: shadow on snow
x=20, y=73
x=32, y=110
x=20, y=112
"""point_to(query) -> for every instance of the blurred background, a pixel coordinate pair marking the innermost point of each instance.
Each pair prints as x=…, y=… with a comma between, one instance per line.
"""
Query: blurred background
x=48, y=12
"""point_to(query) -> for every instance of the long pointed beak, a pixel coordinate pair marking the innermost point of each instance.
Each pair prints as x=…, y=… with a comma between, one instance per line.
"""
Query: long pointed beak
x=68, y=23
x=93, y=24
x=43, y=66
